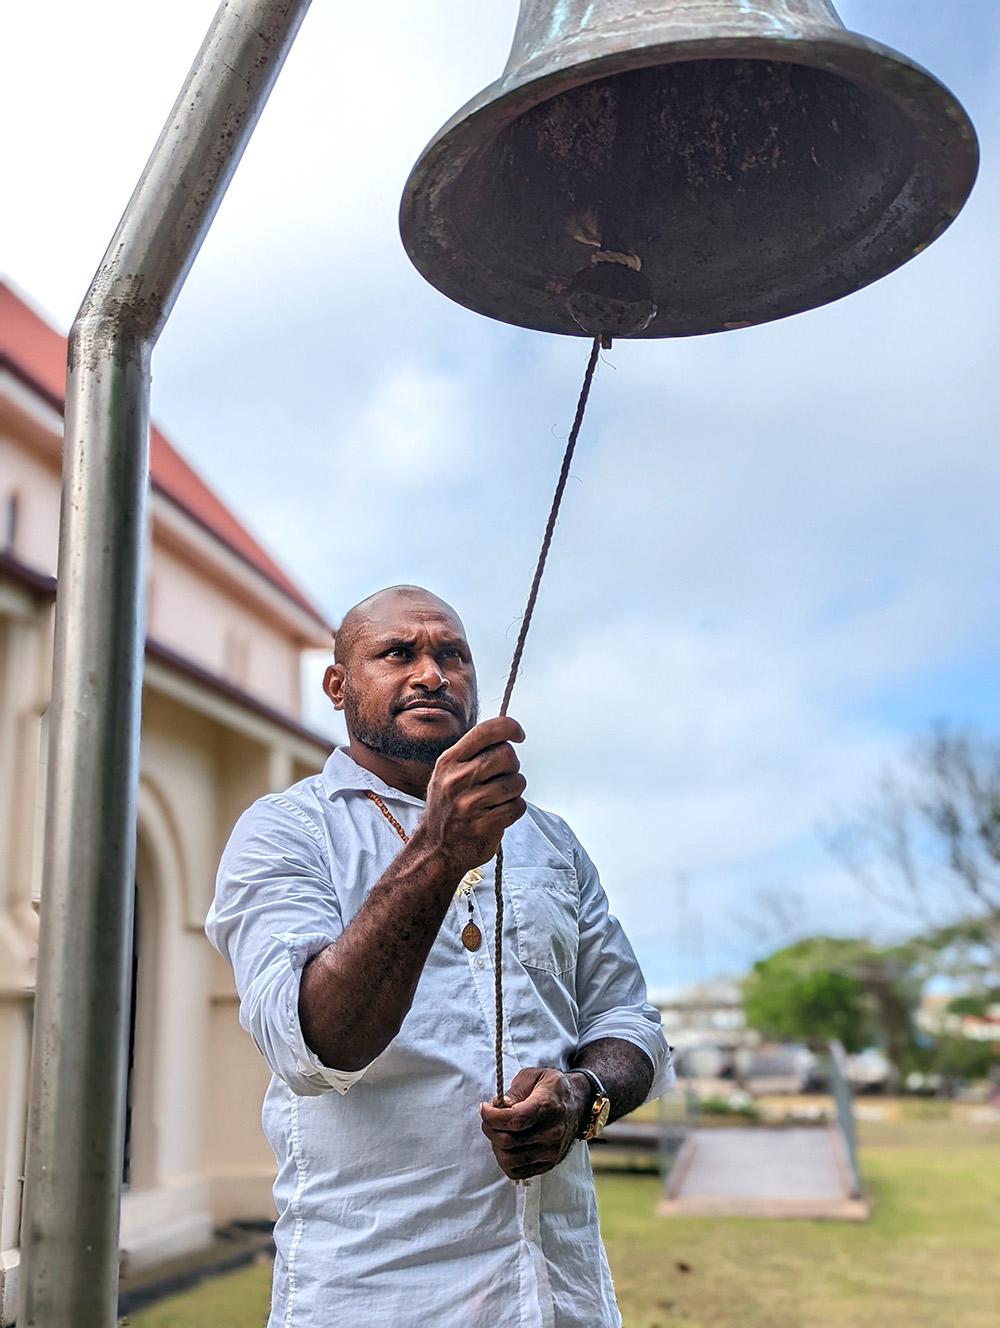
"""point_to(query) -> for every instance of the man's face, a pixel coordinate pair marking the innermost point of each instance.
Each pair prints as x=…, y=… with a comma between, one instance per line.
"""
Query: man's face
x=408, y=691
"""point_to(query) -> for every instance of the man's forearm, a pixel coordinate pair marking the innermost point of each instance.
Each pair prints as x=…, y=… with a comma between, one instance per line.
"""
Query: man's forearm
x=355, y=994
x=623, y=1068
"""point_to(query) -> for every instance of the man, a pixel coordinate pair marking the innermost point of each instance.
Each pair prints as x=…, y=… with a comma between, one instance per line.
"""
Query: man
x=364, y=985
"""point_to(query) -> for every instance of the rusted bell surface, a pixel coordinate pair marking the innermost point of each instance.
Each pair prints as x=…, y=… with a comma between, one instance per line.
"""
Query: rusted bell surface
x=751, y=160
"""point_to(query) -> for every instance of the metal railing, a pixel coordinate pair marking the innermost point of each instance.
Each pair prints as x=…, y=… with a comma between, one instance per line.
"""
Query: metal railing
x=840, y=1091
x=677, y=1113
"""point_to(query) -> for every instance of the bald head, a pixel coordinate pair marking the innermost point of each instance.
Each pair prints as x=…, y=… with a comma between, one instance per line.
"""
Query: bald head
x=403, y=676
x=379, y=608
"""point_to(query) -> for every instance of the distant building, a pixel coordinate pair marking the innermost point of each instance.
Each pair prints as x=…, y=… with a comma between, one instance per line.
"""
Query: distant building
x=706, y=1025
x=934, y=1018
x=704, y=1013
x=221, y=725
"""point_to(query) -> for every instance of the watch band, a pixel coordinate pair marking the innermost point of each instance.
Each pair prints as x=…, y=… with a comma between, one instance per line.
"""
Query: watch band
x=596, y=1118
x=598, y=1086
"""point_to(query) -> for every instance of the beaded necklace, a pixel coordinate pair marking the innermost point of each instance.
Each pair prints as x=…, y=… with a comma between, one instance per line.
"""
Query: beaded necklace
x=472, y=937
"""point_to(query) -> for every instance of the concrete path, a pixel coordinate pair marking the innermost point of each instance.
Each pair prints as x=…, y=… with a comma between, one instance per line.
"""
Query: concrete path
x=760, y=1172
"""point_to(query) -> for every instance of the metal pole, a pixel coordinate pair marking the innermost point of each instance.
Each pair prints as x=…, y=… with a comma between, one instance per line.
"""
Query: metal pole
x=69, y=1231
x=840, y=1087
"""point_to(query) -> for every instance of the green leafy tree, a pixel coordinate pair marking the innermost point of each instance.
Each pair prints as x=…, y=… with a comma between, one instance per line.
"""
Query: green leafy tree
x=975, y=1003
x=863, y=994
x=962, y=1057
x=827, y=987
x=809, y=990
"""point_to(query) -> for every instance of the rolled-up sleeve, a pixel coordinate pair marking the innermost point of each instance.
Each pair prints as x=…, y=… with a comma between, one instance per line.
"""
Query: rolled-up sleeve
x=274, y=909
x=610, y=988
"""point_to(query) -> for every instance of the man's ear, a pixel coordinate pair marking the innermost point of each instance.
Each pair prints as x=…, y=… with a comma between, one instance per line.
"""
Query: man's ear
x=333, y=684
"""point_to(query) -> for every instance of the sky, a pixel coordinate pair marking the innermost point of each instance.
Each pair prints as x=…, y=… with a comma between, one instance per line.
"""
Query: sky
x=775, y=563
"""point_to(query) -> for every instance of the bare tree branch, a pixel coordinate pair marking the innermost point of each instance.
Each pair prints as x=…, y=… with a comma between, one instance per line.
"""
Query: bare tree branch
x=928, y=840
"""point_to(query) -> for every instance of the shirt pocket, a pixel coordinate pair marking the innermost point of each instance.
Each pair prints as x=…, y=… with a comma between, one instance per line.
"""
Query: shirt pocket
x=545, y=903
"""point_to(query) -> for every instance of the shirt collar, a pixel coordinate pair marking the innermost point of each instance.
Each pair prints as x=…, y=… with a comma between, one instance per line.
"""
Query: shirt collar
x=342, y=774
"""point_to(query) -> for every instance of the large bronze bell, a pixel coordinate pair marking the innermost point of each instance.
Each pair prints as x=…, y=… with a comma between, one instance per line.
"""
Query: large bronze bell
x=726, y=161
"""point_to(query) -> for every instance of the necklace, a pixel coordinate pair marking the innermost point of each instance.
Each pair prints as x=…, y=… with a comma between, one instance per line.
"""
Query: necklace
x=472, y=937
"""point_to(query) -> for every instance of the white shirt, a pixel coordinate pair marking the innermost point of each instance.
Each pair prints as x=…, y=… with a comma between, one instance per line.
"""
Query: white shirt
x=392, y=1208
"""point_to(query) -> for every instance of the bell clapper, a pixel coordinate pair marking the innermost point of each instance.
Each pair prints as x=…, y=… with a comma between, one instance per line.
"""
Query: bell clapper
x=610, y=296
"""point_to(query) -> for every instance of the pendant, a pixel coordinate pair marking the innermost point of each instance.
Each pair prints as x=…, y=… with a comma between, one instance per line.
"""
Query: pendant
x=472, y=937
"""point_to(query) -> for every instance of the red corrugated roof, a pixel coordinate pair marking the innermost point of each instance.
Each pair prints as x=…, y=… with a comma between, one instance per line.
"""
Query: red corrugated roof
x=38, y=353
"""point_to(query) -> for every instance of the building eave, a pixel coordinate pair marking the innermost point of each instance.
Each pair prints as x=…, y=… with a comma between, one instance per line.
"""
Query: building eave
x=303, y=609
x=160, y=660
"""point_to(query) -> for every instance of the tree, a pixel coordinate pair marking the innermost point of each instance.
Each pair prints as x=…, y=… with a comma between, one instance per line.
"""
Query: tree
x=929, y=841
x=808, y=990
x=950, y=1053
x=827, y=987
x=975, y=1004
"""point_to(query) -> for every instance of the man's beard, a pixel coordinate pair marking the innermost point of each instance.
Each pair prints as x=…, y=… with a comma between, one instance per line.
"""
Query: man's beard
x=385, y=739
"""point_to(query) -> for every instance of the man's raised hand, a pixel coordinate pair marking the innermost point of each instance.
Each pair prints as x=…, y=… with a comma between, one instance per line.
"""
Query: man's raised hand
x=474, y=794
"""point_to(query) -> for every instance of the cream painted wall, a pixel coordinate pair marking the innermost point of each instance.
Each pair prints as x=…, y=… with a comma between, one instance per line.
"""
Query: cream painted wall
x=198, y=1155
x=197, y=618
x=30, y=479
x=25, y=666
x=202, y=601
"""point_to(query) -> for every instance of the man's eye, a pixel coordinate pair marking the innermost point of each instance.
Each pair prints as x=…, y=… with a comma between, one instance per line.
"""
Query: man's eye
x=397, y=652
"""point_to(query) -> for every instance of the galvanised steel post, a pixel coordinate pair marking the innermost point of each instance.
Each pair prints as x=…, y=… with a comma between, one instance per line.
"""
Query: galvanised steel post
x=69, y=1229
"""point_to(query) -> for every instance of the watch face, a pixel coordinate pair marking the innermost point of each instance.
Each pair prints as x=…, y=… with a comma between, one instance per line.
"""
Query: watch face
x=600, y=1112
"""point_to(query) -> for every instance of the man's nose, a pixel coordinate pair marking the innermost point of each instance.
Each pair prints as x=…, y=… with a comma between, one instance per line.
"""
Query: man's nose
x=428, y=673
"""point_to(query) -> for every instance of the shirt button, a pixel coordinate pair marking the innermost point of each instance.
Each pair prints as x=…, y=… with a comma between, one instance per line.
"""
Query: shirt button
x=480, y=962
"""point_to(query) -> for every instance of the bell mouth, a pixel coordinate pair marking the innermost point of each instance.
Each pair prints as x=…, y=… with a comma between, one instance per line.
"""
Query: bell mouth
x=749, y=188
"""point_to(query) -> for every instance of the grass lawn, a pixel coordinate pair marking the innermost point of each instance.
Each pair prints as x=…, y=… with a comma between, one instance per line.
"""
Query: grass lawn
x=929, y=1257
x=237, y=1300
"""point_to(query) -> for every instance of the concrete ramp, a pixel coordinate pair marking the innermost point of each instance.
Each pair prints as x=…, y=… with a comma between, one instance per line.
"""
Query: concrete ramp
x=759, y=1172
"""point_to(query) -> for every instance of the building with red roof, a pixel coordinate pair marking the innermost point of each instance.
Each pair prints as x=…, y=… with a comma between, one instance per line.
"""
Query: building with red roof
x=221, y=725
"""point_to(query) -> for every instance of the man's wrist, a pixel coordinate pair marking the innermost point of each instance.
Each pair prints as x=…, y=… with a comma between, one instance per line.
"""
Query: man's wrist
x=583, y=1086
x=429, y=858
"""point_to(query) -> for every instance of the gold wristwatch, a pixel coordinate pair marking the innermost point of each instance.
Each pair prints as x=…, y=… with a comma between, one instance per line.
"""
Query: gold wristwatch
x=597, y=1118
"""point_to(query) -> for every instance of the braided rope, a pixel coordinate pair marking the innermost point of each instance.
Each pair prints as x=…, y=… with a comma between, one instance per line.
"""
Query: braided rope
x=515, y=666
x=550, y=525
